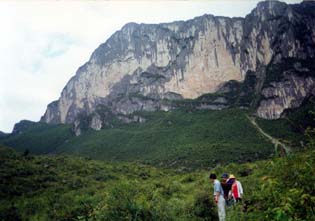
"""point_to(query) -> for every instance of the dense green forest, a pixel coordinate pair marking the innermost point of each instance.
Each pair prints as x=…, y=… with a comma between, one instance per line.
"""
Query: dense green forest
x=177, y=139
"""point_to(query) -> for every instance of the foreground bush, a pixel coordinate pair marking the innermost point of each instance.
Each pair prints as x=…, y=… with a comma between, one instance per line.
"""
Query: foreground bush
x=70, y=188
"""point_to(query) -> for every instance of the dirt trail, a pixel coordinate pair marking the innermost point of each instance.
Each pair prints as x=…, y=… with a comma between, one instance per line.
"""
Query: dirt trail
x=278, y=144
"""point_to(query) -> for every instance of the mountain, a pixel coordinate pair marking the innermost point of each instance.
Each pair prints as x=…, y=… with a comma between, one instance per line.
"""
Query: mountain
x=37, y=137
x=212, y=95
x=181, y=126
x=2, y=134
x=264, y=61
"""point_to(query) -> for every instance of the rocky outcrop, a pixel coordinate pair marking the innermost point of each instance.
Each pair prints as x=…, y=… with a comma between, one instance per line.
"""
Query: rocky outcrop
x=287, y=94
x=141, y=65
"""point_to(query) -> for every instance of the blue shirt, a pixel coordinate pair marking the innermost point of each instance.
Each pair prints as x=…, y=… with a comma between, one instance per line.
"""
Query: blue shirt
x=217, y=188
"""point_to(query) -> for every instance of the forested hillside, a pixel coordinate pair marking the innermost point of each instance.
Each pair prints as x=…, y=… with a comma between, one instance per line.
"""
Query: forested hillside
x=187, y=139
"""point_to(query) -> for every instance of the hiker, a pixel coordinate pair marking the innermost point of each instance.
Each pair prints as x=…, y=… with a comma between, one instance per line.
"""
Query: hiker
x=237, y=190
x=218, y=196
x=226, y=187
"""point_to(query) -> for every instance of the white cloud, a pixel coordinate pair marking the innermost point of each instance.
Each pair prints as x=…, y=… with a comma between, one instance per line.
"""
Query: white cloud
x=43, y=43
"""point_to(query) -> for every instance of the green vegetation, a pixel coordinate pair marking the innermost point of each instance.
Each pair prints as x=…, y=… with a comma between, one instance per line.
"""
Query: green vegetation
x=38, y=138
x=176, y=139
x=279, y=189
x=291, y=128
x=181, y=139
x=124, y=187
x=281, y=129
x=73, y=188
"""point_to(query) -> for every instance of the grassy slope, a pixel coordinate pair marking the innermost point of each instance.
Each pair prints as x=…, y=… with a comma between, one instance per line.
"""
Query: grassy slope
x=176, y=139
x=198, y=138
x=39, y=138
x=72, y=188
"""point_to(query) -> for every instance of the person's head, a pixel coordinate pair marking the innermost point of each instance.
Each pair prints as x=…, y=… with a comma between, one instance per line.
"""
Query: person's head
x=212, y=177
x=231, y=179
x=232, y=176
x=225, y=176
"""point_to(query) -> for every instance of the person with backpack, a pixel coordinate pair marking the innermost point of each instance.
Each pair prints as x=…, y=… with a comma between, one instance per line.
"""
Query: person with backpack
x=226, y=188
x=236, y=190
x=218, y=196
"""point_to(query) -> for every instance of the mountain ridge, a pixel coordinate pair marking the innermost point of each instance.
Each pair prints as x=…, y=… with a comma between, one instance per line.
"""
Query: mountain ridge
x=142, y=65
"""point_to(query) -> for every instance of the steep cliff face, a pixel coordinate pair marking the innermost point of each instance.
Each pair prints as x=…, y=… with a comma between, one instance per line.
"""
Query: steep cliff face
x=176, y=60
x=289, y=93
x=287, y=85
x=288, y=79
x=142, y=65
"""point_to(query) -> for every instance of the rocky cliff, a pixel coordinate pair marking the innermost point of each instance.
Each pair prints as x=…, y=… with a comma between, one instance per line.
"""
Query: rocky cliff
x=143, y=66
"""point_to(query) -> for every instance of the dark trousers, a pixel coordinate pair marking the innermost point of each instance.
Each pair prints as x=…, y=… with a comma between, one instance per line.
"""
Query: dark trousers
x=238, y=199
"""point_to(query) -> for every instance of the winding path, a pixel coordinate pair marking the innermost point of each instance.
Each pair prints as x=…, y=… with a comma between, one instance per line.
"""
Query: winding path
x=273, y=140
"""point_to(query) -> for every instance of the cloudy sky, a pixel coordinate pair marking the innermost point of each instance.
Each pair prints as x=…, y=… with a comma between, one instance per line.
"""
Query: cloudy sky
x=42, y=43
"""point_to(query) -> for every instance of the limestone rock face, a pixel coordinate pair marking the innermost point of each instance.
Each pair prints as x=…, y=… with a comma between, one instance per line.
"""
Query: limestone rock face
x=96, y=122
x=141, y=65
x=180, y=59
x=286, y=94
